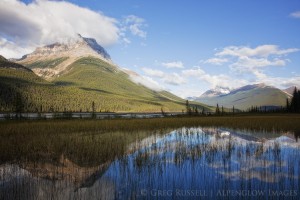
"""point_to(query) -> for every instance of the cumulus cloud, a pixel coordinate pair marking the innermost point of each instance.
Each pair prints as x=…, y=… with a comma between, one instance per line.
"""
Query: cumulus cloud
x=259, y=51
x=280, y=82
x=295, y=14
x=168, y=78
x=216, y=61
x=248, y=63
x=213, y=80
x=175, y=64
x=126, y=40
x=11, y=50
x=153, y=72
x=43, y=22
x=174, y=79
x=135, y=25
x=145, y=81
x=245, y=59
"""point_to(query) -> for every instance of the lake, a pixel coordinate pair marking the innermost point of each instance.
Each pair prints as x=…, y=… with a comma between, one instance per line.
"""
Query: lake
x=183, y=163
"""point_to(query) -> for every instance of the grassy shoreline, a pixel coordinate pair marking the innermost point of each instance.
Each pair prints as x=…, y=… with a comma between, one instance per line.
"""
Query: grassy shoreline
x=267, y=122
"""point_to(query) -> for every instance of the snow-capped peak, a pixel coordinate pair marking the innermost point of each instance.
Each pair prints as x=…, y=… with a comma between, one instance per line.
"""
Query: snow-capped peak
x=217, y=91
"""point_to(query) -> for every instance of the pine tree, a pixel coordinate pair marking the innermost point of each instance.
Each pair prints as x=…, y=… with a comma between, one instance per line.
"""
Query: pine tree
x=187, y=105
x=295, y=101
x=196, y=111
x=287, y=105
x=93, y=110
x=298, y=101
x=93, y=107
x=162, y=111
x=188, y=108
x=19, y=105
x=217, y=109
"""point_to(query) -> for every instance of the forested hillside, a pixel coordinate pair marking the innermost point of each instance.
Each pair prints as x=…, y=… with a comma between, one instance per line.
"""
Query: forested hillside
x=91, y=85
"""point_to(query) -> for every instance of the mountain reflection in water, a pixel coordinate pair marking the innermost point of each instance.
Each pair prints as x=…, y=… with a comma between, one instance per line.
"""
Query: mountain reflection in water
x=187, y=163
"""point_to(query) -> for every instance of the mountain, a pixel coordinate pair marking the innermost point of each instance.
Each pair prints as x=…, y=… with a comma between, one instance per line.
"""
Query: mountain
x=290, y=90
x=80, y=77
x=53, y=60
x=247, y=96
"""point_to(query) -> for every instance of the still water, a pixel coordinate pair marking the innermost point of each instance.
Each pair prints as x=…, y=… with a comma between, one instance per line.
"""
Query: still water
x=187, y=163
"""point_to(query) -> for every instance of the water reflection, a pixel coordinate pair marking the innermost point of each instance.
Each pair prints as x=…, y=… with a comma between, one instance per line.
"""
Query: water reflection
x=188, y=163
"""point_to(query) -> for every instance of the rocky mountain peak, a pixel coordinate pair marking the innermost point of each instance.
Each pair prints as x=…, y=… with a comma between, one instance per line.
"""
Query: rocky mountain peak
x=92, y=43
x=52, y=60
x=78, y=47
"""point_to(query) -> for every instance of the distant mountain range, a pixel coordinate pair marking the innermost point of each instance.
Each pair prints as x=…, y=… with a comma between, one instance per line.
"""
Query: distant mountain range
x=246, y=96
x=78, y=76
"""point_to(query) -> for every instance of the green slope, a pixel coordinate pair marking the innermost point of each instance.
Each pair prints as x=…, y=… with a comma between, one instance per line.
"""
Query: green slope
x=51, y=63
x=7, y=64
x=88, y=80
x=267, y=96
x=112, y=90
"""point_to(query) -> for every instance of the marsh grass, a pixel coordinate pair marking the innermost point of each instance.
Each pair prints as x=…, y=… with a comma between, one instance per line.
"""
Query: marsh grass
x=284, y=122
x=91, y=142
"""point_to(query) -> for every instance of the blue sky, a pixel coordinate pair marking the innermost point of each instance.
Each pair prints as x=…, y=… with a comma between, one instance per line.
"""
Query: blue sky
x=190, y=46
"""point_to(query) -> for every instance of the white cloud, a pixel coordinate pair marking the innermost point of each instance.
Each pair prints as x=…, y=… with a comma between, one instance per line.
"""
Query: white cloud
x=43, y=22
x=11, y=50
x=196, y=72
x=135, y=25
x=153, y=72
x=175, y=64
x=168, y=78
x=126, y=40
x=245, y=60
x=146, y=81
x=213, y=80
x=280, y=82
x=216, y=61
x=295, y=14
x=259, y=51
x=174, y=79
